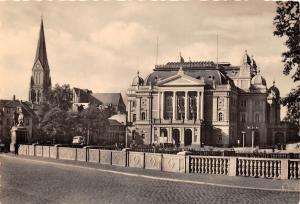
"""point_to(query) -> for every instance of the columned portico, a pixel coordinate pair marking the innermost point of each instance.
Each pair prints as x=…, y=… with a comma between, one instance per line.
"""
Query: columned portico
x=174, y=106
x=186, y=116
x=191, y=100
x=162, y=102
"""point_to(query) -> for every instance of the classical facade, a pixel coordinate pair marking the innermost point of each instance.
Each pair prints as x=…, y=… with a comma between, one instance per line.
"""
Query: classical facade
x=194, y=103
x=40, y=81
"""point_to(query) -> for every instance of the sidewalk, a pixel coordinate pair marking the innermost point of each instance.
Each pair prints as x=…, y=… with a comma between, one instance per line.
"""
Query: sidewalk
x=193, y=179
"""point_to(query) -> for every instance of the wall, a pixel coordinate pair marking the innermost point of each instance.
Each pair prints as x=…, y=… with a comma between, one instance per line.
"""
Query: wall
x=230, y=166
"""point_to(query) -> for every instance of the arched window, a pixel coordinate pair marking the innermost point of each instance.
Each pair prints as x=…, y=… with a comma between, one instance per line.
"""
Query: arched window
x=133, y=135
x=143, y=116
x=220, y=118
x=133, y=117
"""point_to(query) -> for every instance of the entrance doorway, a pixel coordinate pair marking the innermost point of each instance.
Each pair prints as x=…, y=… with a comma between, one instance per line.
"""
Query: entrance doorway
x=176, y=137
x=256, y=139
x=187, y=137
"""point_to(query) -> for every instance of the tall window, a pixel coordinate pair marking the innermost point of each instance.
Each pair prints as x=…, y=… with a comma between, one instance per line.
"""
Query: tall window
x=143, y=116
x=243, y=103
x=192, y=106
x=133, y=104
x=243, y=118
x=168, y=105
x=180, y=106
x=257, y=118
x=220, y=116
x=134, y=117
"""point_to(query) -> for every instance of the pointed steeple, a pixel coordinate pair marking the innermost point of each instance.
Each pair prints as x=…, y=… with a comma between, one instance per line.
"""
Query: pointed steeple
x=41, y=52
x=40, y=81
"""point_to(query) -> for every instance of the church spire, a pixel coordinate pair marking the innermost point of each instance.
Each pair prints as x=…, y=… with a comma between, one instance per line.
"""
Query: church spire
x=41, y=53
x=40, y=81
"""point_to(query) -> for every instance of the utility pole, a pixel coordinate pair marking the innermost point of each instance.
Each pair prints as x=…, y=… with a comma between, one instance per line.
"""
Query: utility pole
x=217, y=50
x=156, y=60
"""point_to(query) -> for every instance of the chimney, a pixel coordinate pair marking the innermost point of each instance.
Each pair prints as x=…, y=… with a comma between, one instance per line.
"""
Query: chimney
x=14, y=97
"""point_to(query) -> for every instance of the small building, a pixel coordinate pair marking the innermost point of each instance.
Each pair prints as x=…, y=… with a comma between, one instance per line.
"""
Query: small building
x=115, y=132
x=112, y=101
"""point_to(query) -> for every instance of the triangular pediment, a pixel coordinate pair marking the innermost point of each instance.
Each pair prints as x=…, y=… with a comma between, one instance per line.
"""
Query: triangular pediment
x=181, y=80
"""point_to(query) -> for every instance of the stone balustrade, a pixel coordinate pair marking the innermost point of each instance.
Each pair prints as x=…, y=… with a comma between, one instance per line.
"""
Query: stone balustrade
x=294, y=169
x=209, y=165
x=221, y=165
x=263, y=168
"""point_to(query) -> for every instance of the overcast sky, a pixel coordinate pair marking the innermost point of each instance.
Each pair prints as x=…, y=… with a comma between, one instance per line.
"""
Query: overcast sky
x=101, y=45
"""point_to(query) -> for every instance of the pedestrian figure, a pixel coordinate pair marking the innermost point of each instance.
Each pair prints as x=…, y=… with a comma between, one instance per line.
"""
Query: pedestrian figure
x=16, y=148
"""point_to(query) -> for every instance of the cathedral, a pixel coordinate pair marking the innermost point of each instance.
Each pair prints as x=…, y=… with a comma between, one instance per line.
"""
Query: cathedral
x=191, y=104
x=40, y=81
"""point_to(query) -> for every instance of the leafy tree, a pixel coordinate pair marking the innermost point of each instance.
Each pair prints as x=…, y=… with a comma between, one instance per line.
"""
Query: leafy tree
x=93, y=121
x=54, y=119
x=292, y=102
x=60, y=96
x=287, y=23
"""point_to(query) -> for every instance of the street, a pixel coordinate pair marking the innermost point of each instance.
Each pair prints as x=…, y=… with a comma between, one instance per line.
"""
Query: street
x=26, y=181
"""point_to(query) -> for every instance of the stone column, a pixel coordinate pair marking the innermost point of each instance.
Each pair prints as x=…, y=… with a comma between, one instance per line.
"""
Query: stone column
x=174, y=106
x=198, y=105
x=186, y=112
x=129, y=111
x=202, y=105
x=162, y=98
x=158, y=105
x=138, y=106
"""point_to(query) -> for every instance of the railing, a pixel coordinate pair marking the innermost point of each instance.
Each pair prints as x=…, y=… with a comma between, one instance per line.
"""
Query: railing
x=208, y=165
x=294, y=169
x=155, y=150
x=254, y=154
x=258, y=168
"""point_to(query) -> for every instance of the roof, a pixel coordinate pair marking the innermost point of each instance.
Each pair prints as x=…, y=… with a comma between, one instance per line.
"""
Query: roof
x=114, y=122
x=26, y=106
x=41, y=52
x=207, y=70
x=85, y=96
x=108, y=98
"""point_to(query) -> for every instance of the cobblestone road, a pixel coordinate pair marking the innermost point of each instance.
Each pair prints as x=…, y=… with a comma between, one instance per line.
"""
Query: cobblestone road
x=25, y=181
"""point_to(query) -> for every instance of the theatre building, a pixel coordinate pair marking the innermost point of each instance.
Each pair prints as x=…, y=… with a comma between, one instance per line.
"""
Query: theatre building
x=190, y=104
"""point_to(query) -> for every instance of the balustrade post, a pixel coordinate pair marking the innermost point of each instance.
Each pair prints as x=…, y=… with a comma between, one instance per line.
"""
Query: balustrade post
x=284, y=174
x=232, y=166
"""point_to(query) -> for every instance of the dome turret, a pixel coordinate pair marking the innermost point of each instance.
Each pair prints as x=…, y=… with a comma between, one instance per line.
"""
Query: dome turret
x=258, y=80
x=274, y=91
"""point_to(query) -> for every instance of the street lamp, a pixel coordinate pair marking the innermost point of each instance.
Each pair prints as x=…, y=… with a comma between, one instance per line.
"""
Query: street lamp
x=243, y=133
x=252, y=128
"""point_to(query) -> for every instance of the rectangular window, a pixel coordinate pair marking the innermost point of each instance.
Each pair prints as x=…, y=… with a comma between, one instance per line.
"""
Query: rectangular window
x=243, y=118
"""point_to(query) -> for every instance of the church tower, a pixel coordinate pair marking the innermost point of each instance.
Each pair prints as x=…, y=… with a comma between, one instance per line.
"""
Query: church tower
x=40, y=81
